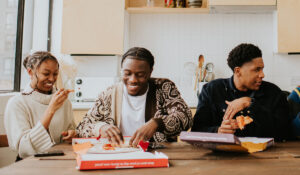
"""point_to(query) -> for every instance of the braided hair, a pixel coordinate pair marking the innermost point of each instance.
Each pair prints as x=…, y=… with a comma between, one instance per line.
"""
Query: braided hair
x=139, y=53
x=35, y=60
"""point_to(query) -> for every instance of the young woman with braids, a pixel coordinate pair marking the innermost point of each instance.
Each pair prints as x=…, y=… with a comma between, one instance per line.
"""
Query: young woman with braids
x=41, y=115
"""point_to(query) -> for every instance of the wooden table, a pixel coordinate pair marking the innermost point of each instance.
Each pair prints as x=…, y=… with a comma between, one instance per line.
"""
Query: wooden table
x=283, y=158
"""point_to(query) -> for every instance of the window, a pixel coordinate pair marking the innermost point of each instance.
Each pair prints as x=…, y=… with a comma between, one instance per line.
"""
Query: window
x=11, y=32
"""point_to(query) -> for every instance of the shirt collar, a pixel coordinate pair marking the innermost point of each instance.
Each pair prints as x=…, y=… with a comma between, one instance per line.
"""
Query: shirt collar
x=253, y=94
x=126, y=92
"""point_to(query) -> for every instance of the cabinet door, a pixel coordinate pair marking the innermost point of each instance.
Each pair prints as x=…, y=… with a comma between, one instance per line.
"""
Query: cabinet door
x=93, y=26
x=288, y=26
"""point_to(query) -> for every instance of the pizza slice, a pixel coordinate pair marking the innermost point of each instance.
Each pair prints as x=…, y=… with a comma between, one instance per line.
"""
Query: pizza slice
x=247, y=120
x=243, y=121
x=108, y=147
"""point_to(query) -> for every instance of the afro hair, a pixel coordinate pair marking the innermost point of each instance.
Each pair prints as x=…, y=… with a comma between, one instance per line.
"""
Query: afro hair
x=242, y=54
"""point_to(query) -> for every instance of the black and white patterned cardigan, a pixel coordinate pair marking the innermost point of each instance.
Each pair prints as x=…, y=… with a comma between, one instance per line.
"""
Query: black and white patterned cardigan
x=164, y=104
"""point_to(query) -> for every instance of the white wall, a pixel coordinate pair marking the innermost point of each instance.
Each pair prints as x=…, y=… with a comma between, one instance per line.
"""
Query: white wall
x=175, y=39
x=179, y=38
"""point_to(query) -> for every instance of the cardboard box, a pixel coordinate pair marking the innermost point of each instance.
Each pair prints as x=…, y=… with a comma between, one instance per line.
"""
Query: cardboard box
x=226, y=142
x=90, y=156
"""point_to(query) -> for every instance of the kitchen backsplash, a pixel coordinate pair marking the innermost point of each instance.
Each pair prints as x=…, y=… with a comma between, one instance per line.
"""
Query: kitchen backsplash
x=175, y=39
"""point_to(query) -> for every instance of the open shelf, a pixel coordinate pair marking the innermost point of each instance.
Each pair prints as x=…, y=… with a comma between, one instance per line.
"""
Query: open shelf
x=140, y=6
x=166, y=10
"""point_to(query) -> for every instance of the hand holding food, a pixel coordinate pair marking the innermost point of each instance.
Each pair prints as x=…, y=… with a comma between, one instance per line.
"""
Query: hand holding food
x=59, y=98
x=228, y=126
x=235, y=106
x=243, y=121
x=113, y=134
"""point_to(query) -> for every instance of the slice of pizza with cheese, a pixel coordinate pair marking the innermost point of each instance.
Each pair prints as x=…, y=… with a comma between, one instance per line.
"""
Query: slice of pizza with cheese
x=247, y=120
x=243, y=121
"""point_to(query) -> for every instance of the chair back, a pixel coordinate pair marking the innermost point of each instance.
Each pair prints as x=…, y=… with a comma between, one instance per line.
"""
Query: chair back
x=3, y=141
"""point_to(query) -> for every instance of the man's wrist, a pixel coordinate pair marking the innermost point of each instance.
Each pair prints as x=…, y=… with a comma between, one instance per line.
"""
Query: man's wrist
x=158, y=123
x=248, y=102
x=155, y=123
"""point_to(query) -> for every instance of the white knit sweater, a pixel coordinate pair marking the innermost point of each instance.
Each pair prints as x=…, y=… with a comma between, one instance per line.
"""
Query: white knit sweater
x=25, y=133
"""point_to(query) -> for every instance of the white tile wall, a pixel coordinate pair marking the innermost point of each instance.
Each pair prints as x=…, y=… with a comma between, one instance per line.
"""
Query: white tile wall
x=178, y=38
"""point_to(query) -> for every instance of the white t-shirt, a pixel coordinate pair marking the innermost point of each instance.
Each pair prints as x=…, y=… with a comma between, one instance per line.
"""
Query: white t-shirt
x=133, y=112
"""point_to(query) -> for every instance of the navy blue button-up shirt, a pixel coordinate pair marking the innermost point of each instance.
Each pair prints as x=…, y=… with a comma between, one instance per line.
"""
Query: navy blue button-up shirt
x=269, y=109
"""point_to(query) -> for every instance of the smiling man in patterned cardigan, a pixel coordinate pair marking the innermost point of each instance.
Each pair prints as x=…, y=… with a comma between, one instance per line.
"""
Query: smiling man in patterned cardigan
x=139, y=106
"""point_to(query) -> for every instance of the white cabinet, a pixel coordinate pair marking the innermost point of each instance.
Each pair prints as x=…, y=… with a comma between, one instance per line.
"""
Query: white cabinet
x=93, y=27
x=288, y=26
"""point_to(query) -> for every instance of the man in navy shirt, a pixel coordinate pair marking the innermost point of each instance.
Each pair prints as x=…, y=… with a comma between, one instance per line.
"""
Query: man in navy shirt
x=245, y=93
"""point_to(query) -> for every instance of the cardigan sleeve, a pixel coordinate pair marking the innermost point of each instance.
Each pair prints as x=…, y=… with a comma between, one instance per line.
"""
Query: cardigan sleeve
x=22, y=137
x=97, y=116
x=173, y=114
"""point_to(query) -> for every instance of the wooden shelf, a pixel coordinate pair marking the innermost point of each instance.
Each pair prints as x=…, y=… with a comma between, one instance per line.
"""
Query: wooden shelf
x=158, y=10
x=140, y=6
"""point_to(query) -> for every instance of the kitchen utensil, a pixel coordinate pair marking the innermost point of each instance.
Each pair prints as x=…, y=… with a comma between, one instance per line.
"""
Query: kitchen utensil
x=209, y=67
x=199, y=71
x=200, y=65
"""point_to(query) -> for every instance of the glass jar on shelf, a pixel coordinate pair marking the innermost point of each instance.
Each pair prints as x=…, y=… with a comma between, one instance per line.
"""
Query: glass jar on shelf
x=150, y=3
x=180, y=3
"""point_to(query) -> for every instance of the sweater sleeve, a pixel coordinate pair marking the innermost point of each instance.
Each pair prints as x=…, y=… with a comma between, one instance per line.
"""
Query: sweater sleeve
x=97, y=116
x=173, y=114
x=70, y=118
x=24, y=138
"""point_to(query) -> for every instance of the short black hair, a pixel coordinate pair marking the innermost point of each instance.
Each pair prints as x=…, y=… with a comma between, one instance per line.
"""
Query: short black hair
x=242, y=54
x=139, y=53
